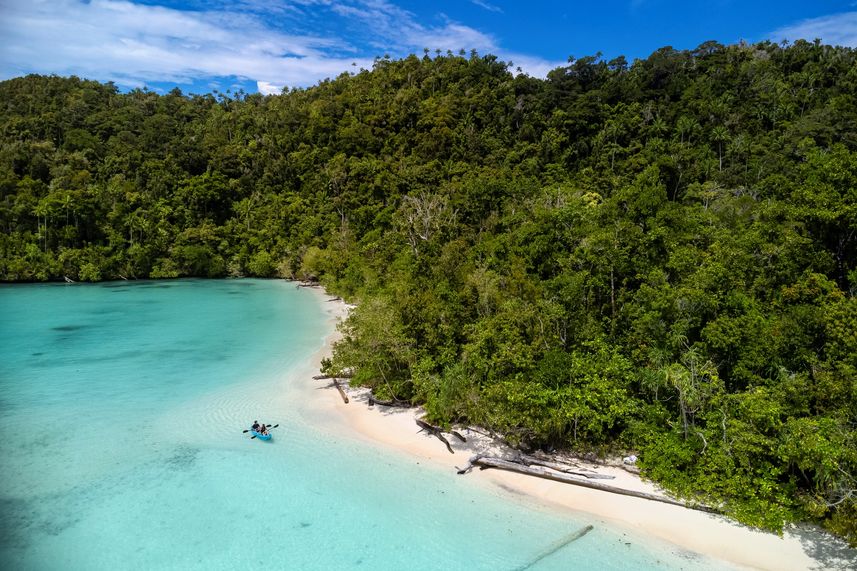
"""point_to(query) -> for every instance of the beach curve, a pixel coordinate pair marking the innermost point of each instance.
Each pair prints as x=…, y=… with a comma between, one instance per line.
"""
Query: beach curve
x=799, y=549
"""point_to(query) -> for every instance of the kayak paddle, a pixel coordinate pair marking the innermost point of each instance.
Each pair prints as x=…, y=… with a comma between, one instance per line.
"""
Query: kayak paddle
x=255, y=435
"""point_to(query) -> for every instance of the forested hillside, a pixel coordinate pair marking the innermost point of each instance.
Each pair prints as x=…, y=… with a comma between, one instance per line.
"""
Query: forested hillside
x=658, y=257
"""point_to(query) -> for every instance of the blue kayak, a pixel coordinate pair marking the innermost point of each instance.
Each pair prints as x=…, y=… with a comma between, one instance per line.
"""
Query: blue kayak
x=260, y=436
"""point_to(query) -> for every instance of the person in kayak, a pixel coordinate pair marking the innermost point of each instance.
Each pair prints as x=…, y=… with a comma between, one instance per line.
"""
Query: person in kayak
x=263, y=429
x=255, y=426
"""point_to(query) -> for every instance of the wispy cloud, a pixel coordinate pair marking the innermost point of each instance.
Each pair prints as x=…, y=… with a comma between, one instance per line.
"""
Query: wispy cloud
x=268, y=88
x=488, y=6
x=836, y=29
x=389, y=27
x=452, y=37
x=132, y=44
x=275, y=43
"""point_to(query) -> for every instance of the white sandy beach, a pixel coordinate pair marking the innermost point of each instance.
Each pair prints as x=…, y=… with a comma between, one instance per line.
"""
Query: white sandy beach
x=711, y=535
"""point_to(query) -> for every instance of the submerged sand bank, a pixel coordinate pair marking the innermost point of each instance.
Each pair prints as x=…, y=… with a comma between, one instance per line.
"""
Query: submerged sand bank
x=707, y=534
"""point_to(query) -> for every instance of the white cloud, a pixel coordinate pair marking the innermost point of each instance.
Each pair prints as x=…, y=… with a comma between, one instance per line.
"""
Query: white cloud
x=393, y=29
x=836, y=29
x=533, y=66
x=487, y=5
x=132, y=44
x=267, y=88
x=451, y=37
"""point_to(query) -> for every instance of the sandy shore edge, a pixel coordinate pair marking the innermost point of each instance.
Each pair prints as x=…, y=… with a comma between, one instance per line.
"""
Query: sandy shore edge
x=709, y=535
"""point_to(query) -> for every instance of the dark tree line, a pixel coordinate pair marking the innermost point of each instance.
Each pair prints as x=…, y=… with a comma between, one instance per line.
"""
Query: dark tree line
x=658, y=256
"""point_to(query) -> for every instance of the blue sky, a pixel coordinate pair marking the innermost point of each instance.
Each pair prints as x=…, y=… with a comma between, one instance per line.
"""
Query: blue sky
x=266, y=45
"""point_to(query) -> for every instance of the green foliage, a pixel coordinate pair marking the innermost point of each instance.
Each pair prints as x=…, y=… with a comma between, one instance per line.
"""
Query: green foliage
x=450, y=396
x=376, y=347
x=261, y=264
x=658, y=256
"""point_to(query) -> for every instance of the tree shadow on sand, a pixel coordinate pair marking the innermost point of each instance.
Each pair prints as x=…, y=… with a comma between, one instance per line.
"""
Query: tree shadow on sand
x=828, y=552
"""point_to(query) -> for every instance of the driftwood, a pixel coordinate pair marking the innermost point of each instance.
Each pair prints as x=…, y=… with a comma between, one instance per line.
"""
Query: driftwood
x=533, y=461
x=436, y=431
x=341, y=375
x=556, y=547
x=484, y=432
x=393, y=402
x=542, y=472
x=457, y=435
x=542, y=455
x=470, y=464
x=336, y=384
x=527, y=461
x=341, y=392
x=588, y=458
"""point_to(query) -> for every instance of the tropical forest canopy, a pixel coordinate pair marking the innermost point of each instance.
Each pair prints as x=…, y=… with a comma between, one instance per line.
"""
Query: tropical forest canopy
x=657, y=257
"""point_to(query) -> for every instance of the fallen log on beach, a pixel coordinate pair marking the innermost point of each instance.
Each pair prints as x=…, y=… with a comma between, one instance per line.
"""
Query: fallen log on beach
x=393, y=402
x=341, y=375
x=471, y=462
x=564, y=468
x=341, y=391
x=542, y=472
x=435, y=430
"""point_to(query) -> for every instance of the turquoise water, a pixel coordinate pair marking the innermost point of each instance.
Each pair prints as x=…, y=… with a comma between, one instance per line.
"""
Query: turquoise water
x=122, y=407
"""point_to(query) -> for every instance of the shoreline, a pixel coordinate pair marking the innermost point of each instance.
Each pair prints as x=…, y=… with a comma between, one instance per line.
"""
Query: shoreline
x=717, y=537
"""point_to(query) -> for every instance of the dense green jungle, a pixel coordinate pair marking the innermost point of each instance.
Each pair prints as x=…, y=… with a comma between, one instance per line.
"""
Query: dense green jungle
x=657, y=257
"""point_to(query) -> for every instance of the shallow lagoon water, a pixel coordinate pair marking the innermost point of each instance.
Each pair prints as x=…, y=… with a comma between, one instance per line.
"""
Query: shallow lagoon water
x=122, y=407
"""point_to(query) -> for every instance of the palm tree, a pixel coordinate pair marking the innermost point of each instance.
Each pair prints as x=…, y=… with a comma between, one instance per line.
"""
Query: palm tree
x=42, y=209
x=719, y=135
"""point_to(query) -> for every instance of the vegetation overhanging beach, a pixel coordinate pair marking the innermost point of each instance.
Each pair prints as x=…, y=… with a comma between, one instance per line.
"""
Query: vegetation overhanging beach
x=799, y=548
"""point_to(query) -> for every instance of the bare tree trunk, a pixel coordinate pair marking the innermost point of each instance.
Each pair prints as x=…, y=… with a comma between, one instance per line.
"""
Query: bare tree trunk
x=612, y=295
x=341, y=392
x=540, y=472
x=435, y=431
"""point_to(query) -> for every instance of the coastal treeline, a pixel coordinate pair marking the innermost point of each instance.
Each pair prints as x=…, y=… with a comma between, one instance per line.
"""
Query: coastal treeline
x=657, y=257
